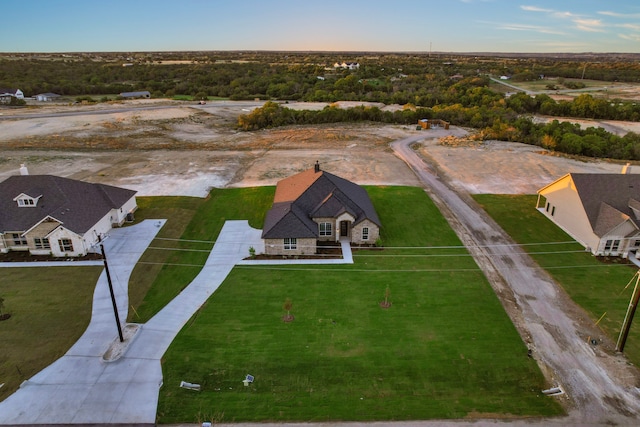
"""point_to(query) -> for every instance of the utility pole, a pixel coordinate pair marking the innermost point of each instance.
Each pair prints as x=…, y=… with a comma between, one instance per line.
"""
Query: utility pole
x=113, y=297
x=628, y=318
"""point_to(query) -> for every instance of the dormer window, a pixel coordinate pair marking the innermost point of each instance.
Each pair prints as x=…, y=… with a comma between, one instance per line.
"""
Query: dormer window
x=24, y=200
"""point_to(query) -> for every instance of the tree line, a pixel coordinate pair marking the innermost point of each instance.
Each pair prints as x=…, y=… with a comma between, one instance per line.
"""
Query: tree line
x=499, y=123
x=455, y=88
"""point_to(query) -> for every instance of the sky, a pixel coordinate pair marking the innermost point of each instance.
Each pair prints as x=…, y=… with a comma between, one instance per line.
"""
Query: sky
x=321, y=25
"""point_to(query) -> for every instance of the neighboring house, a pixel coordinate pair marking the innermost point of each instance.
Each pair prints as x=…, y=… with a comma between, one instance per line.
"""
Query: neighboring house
x=7, y=94
x=16, y=93
x=600, y=211
x=316, y=206
x=140, y=94
x=46, y=214
x=46, y=97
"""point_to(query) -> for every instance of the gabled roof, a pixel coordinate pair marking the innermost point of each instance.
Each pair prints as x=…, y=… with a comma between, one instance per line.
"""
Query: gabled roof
x=78, y=205
x=314, y=194
x=608, y=198
x=11, y=91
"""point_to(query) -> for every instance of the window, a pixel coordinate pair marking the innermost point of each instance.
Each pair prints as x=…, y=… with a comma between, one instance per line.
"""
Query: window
x=607, y=245
x=326, y=229
x=291, y=243
x=615, y=246
x=42, y=243
x=66, y=245
x=636, y=243
x=26, y=202
x=553, y=210
x=547, y=207
x=365, y=233
x=18, y=240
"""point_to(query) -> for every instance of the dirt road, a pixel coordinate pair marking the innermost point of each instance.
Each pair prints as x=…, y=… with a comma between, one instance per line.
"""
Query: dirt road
x=600, y=386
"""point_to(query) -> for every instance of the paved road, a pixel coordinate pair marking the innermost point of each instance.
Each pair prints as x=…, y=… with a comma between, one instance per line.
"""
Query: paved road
x=599, y=384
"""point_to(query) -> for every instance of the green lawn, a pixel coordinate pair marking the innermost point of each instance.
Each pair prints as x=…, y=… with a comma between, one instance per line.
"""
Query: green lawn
x=597, y=286
x=444, y=349
x=50, y=309
x=161, y=274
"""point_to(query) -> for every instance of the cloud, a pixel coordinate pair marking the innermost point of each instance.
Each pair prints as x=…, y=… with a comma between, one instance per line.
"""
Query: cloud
x=590, y=25
x=634, y=27
x=533, y=28
x=535, y=9
x=582, y=23
x=619, y=15
x=631, y=37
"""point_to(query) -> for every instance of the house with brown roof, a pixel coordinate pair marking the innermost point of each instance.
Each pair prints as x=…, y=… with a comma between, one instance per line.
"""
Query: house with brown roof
x=600, y=211
x=51, y=215
x=316, y=206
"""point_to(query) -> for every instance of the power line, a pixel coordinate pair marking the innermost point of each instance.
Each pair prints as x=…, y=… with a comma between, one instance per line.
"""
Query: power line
x=428, y=270
x=185, y=240
x=463, y=255
x=180, y=249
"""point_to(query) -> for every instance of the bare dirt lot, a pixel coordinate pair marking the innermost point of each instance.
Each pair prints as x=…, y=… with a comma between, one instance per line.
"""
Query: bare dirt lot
x=184, y=149
x=171, y=148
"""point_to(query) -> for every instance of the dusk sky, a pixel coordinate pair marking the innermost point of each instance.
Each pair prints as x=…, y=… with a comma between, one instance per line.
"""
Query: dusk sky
x=326, y=25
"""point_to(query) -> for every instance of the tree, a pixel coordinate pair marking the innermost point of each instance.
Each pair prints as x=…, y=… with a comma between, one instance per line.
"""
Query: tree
x=386, y=303
x=287, y=307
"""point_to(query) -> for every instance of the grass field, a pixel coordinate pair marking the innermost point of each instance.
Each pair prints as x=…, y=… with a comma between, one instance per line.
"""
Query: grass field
x=50, y=309
x=595, y=285
x=444, y=349
x=197, y=222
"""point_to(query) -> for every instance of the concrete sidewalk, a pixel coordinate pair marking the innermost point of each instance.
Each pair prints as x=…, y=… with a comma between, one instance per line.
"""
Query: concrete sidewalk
x=79, y=387
x=82, y=387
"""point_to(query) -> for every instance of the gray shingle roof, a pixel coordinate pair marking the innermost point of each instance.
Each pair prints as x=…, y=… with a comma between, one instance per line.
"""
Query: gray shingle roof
x=326, y=196
x=79, y=205
x=617, y=191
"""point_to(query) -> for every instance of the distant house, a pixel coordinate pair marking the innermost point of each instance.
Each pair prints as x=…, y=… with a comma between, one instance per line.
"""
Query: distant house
x=347, y=65
x=140, y=94
x=46, y=97
x=51, y=215
x=315, y=206
x=7, y=94
x=600, y=211
x=16, y=93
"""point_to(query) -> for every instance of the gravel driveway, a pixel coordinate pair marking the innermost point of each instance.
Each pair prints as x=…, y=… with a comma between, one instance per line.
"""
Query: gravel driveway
x=600, y=387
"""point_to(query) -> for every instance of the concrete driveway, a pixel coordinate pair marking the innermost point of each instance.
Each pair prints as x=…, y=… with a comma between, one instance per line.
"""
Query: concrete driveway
x=86, y=387
x=79, y=387
x=83, y=388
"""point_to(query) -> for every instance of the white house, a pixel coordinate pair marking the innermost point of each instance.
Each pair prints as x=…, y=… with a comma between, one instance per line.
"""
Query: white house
x=7, y=94
x=600, y=211
x=46, y=97
x=347, y=65
x=16, y=93
x=51, y=215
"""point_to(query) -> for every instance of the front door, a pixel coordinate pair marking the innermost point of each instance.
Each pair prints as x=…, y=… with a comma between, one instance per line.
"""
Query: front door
x=344, y=228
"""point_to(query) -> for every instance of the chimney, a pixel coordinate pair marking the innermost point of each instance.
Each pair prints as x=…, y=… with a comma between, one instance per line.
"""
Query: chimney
x=317, y=167
x=626, y=169
x=23, y=170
